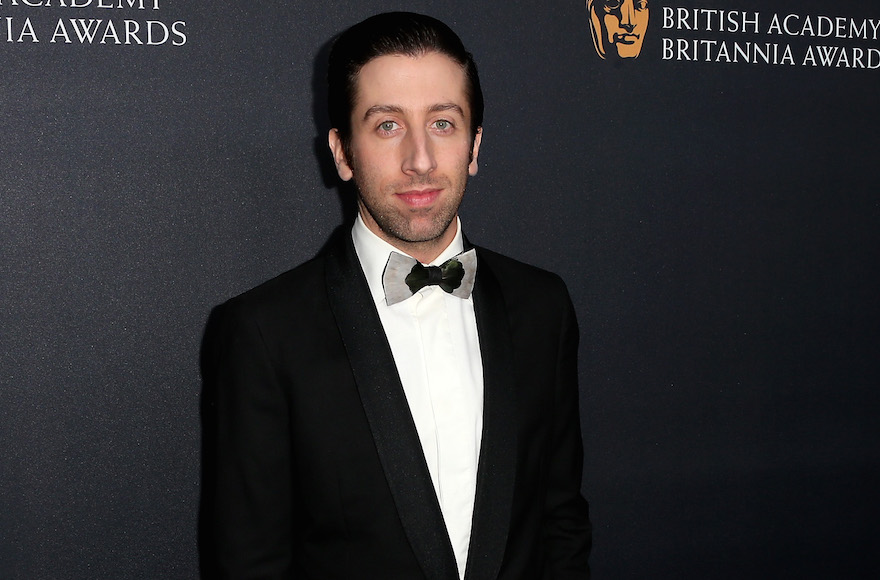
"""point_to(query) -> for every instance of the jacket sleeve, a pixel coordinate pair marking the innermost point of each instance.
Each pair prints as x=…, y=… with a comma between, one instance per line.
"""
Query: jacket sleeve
x=567, y=530
x=246, y=513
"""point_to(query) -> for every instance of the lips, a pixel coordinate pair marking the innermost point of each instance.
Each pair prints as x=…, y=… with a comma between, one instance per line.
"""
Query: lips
x=625, y=38
x=419, y=198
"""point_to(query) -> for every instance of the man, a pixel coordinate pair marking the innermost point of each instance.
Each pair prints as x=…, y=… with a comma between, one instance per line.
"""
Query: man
x=618, y=26
x=376, y=418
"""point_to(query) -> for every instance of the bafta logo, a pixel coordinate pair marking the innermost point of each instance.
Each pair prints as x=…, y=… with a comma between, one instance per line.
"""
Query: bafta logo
x=618, y=26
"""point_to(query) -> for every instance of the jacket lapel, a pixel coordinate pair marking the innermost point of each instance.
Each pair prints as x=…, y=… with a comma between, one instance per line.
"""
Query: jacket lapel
x=497, y=468
x=387, y=411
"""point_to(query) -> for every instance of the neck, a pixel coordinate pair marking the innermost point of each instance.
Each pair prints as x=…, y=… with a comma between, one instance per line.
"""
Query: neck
x=423, y=251
x=426, y=252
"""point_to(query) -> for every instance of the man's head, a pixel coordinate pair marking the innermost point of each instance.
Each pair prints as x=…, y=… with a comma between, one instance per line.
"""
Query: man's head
x=618, y=26
x=403, y=33
x=406, y=110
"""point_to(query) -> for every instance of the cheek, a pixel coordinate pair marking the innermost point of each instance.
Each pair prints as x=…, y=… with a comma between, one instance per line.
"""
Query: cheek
x=451, y=152
x=373, y=159
x=612, y=25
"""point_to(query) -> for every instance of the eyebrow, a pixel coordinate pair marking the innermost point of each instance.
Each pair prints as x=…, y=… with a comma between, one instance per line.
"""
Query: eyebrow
x=395, y=109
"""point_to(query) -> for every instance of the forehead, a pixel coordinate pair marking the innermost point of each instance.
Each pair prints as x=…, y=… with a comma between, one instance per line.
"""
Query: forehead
x=410, y=82
x=612, y=4
x=615, y=4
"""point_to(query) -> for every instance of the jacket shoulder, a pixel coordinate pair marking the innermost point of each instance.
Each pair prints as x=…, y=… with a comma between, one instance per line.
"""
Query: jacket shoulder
x=298, y=288
x=514, y=273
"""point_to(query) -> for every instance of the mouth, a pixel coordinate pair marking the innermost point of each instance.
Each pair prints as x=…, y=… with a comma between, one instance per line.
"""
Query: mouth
x=626, y=38
x=417, y=198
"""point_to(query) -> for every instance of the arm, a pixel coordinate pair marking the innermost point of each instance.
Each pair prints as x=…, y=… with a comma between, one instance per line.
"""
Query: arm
x=247, y=465
x=567, y=531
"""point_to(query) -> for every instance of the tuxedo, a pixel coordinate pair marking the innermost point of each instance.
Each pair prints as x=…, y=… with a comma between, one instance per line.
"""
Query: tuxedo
x=314, y=468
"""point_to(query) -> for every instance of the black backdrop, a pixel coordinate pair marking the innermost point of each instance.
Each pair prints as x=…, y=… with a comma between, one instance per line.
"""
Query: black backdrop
x=717, y=223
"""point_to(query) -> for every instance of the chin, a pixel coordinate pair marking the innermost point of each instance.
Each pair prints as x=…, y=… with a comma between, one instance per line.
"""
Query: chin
x=628, y=50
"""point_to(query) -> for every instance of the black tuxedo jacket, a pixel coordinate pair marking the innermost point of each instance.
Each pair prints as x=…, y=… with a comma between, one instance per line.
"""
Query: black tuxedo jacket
x=315, y=467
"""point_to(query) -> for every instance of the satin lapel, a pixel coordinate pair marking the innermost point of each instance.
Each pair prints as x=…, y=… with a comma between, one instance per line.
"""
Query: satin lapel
x=497, y=469
x=387, y=412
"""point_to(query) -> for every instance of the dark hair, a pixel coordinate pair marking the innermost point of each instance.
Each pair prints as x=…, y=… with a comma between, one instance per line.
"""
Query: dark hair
x=403, y=33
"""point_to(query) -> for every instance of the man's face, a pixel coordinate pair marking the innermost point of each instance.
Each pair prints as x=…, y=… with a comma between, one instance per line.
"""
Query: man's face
x=410, y=151
x=620, y=24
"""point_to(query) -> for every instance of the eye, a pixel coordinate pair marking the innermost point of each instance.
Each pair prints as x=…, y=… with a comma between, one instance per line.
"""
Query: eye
x=641, y=4
x=388, y=127
x=612, y=4
x=443, y=124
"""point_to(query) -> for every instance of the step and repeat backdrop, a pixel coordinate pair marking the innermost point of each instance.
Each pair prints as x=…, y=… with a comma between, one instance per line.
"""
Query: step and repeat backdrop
x=702, y=173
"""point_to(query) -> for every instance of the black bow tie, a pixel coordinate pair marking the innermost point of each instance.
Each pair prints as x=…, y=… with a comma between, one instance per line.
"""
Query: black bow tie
x=404, y=276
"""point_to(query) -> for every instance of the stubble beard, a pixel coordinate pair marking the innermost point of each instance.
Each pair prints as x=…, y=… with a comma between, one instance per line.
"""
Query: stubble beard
x=412, y=226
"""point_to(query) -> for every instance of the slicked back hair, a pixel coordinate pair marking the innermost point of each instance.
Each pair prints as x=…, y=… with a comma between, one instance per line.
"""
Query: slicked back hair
x=393, y=33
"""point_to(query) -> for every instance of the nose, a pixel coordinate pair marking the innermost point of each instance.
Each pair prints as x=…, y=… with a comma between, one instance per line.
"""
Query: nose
x=627, y=15
x=418, y=154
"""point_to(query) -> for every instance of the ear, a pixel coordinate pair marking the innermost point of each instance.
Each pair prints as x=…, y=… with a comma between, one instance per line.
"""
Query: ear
x=342, y=167
x=472, y=166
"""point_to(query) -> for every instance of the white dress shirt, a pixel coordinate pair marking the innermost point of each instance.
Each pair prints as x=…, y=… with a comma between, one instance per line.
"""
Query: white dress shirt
x=433, y=338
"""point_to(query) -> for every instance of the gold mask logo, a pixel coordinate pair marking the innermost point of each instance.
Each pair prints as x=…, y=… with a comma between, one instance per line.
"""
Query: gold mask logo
x=618, y=26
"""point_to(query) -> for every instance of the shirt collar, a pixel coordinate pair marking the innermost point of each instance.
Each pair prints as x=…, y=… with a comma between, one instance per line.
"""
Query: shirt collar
x=373, y=252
